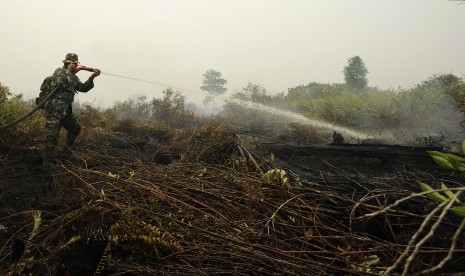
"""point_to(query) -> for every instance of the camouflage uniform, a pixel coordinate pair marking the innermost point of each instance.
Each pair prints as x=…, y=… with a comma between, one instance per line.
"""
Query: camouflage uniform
x=58, y=110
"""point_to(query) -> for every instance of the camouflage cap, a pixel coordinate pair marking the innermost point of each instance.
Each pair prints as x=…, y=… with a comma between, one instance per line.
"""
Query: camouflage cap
x=71, y=58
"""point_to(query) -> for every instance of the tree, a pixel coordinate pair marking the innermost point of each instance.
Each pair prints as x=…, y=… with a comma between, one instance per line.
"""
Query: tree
x=355, y=73
x=252, y=92
x=4, y=94
x=441, y=81
x=213, y=83
x=449, y=84
x=172, y=109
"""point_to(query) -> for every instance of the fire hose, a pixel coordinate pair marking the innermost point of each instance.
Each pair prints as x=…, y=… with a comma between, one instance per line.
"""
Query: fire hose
x=54, y=91
x=91, y=70
x=40, y=105
x=43, y=102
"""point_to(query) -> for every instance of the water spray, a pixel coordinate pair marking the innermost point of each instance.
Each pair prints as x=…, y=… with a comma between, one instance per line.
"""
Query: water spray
x=85, y=68
x=302, y=119
x=248, y=104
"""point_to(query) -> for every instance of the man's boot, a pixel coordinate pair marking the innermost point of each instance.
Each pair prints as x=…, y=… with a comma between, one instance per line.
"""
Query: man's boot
x=70, y=138
x=47, y=156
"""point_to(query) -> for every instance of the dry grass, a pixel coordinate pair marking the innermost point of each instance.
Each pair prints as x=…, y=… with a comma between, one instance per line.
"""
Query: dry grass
x=138, y=198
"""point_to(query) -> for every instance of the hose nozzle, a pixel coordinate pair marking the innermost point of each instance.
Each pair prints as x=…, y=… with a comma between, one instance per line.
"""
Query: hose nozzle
x=85, y=68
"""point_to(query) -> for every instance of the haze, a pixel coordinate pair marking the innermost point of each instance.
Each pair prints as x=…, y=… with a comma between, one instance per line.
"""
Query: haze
x=277, y=43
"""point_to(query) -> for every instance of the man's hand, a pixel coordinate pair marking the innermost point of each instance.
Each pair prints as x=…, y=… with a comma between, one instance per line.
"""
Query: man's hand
x=96, y=73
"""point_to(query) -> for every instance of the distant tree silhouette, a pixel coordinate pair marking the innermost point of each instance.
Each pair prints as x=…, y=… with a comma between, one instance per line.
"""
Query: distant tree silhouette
x=213, y=83
x=355, y=73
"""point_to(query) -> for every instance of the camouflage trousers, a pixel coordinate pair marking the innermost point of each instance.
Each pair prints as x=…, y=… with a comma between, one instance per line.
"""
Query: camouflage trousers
x=56, y=118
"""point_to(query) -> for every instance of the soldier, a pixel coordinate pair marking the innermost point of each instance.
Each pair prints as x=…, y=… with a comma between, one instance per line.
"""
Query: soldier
x=58, y=110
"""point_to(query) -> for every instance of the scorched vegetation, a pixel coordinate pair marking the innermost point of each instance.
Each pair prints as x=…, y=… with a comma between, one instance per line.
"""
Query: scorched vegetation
x=153, y=189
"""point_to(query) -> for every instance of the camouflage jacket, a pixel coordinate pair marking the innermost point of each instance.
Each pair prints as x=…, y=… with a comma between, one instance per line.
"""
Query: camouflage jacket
x=69, y=85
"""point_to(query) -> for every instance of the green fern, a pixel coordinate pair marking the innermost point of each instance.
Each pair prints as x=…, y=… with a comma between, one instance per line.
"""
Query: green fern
x=448, y=161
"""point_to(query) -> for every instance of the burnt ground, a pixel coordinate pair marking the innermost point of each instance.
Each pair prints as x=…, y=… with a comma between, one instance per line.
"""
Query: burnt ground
x=195, y=203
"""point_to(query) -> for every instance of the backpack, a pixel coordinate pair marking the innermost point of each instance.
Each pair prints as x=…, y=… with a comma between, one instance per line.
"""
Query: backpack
x=45, y=89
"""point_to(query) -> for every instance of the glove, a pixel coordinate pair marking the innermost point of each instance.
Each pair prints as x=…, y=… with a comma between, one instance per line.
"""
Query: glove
x=96, y=73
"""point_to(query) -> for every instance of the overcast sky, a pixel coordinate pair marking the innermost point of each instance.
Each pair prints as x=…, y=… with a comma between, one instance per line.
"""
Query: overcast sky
x=276, y=43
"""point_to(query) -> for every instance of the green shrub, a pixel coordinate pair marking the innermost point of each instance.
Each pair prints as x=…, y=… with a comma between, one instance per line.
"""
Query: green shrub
x=27, y=131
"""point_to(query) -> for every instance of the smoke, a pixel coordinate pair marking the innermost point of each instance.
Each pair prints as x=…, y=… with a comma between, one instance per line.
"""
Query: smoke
x=298, y=118
x=432, y=122
x=417, y=117
x=420, y=116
